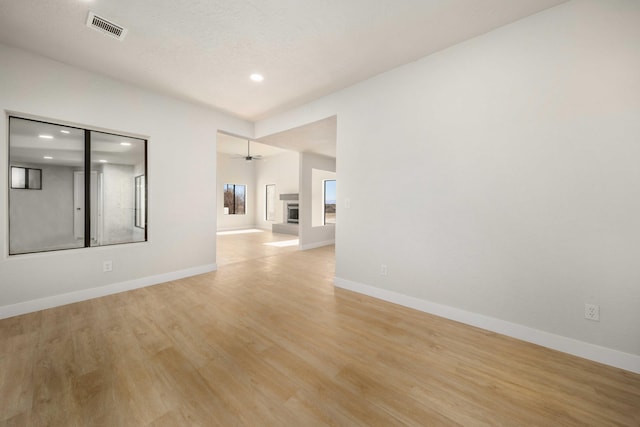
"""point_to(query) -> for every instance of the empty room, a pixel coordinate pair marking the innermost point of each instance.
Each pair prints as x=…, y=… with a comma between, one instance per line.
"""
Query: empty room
x=320, y=213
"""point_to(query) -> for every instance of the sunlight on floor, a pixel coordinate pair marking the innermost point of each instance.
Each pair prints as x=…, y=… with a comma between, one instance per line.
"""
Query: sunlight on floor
x=250, y=230
x=284, y=243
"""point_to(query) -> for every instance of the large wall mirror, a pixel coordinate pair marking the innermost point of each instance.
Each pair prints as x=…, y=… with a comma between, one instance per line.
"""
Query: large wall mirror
x=90, y=194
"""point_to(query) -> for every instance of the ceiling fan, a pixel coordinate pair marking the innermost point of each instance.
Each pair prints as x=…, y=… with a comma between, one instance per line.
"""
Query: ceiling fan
x=249, y=157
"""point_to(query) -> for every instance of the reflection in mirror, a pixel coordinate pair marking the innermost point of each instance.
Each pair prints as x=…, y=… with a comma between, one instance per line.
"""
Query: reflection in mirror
x=18, y=177
x=141, y=203
x=118, y=160
x=34, y=179
x=52, y=158
x=26, y=178
x=42, y=157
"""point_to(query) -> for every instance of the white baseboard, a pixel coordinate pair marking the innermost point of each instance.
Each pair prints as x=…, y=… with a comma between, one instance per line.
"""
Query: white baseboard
x=317, y=244
x=86, y=294
x=596, y=353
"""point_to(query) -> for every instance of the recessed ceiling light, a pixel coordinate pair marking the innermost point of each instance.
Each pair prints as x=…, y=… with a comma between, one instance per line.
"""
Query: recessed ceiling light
x=48, y=157
x=102, y=161
x=126, y=144
x=45, y=136
x=64, y=131
x=256, y=77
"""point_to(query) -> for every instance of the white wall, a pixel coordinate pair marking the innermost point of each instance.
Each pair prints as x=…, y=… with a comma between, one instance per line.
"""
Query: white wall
x=310, y=236
x=514, y=158
x=236, y=171
x=282, y=170
x=181, y=155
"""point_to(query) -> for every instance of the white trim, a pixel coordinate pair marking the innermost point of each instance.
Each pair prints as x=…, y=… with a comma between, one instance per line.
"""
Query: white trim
x=317, y=244
x=86, y=294
x=596, y=353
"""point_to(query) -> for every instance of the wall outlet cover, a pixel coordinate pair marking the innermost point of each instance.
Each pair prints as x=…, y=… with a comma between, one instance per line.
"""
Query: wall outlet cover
x=592, y=312
x=383, y=270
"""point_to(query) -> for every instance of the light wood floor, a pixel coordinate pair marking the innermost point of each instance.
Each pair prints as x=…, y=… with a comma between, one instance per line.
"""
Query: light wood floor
x=239, y=246
x=270, y=342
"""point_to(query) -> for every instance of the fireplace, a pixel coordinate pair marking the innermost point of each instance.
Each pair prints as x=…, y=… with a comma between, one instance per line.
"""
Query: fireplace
x=292, y=213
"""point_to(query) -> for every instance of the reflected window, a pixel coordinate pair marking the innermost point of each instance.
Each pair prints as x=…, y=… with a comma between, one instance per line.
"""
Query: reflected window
x=234, y=199
x=141, y=202
x=18, y=177
x=26, y=178
x=88, y=187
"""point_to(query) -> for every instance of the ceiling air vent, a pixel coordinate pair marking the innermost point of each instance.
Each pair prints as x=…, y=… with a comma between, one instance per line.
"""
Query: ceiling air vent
x=105, y=26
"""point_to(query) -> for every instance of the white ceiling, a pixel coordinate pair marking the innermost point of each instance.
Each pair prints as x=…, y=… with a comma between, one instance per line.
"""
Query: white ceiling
x=204, y=50
x=237, y=146
x=317, y=137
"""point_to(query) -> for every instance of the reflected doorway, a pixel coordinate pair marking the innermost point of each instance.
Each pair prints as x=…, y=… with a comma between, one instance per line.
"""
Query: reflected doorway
x=96, y=207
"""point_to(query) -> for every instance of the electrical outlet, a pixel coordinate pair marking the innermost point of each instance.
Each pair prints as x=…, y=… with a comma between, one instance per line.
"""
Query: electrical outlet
x=383, y=269
x=347, y=203
x=592, y=312
x=107, y=266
